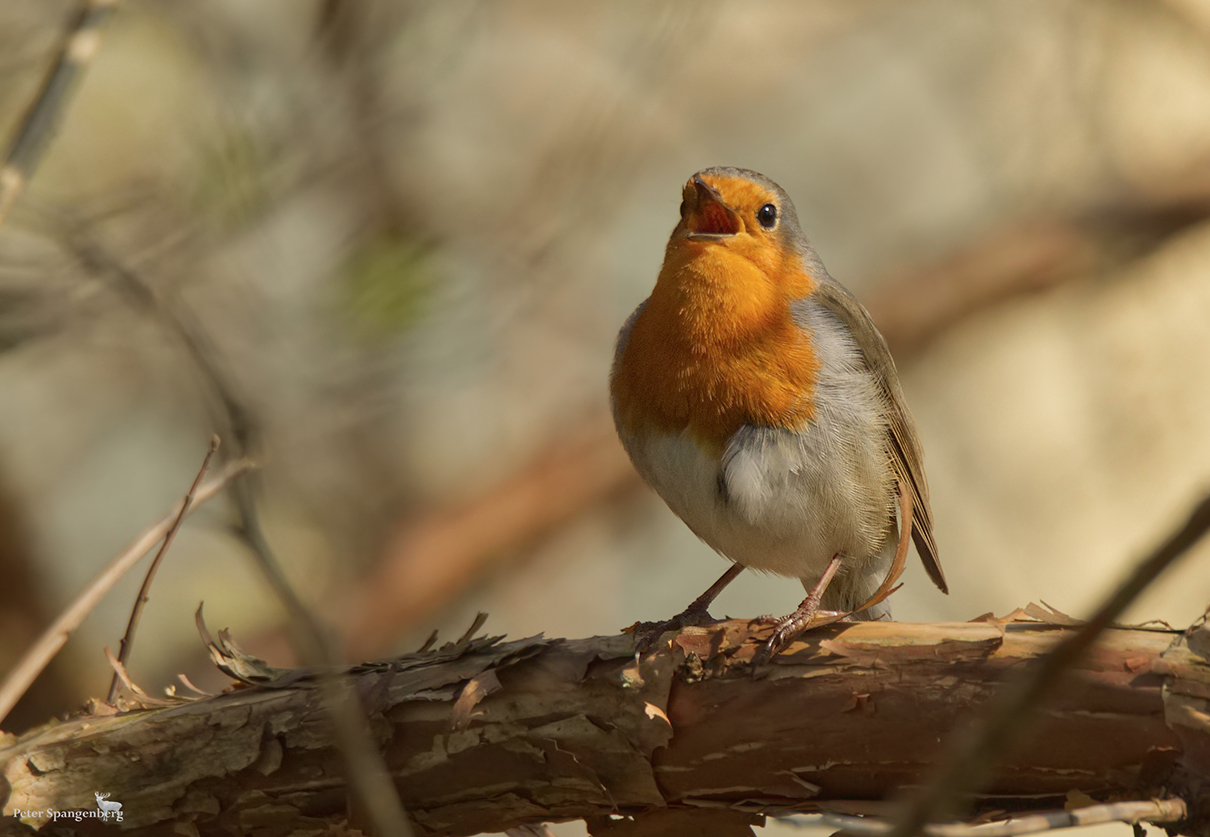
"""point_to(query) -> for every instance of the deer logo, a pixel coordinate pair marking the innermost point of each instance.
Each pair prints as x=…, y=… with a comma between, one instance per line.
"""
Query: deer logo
x=108, y=807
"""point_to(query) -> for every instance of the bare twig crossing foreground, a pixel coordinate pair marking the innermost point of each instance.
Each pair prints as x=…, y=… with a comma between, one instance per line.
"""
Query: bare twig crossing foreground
x=483, y=735
x=136, y=612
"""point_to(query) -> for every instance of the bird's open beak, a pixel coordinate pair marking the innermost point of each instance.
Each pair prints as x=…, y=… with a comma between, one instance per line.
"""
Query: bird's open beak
x=705, y=214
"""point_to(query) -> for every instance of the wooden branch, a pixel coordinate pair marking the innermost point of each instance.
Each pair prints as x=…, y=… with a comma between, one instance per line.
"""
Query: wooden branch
x=485, y=735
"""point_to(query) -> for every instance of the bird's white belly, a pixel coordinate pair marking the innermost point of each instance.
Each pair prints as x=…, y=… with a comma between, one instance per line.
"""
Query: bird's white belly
x=773, y=501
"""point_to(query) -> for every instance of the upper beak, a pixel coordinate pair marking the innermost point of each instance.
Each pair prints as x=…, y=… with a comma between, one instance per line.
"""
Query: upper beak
x=705, y=214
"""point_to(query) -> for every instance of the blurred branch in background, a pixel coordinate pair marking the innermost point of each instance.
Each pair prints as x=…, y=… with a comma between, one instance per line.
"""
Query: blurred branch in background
x=1031, y=257
x=80, y=44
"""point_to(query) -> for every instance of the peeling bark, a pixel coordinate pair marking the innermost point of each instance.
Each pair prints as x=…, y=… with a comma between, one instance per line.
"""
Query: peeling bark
x=486, y=735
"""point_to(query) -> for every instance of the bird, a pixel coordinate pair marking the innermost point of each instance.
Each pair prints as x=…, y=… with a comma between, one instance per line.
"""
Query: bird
x=754, y=393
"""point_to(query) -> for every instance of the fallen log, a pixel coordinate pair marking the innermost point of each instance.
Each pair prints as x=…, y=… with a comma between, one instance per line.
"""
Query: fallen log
x=483, y=734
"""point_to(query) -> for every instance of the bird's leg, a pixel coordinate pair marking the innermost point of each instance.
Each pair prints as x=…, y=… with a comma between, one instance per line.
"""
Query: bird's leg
x=790, y=626
x=697, y=614
x=698, y=611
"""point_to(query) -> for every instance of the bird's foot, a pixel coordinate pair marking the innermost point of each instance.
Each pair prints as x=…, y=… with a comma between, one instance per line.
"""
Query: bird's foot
x=648, y=633
x=787, y=628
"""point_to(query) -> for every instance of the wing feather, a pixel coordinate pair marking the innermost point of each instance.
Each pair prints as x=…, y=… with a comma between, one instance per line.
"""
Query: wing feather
x=903, y=441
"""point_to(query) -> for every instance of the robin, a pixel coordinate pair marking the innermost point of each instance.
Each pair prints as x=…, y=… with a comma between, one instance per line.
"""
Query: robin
x=754, y=393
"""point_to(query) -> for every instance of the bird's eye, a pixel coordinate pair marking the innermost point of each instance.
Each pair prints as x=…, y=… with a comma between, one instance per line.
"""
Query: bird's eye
x=767, y=215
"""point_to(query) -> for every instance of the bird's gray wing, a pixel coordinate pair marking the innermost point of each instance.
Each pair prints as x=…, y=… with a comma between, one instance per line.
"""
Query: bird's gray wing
x=904, y=441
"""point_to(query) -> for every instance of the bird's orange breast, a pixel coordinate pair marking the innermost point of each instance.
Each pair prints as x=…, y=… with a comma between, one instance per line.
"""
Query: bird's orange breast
x=717, y=347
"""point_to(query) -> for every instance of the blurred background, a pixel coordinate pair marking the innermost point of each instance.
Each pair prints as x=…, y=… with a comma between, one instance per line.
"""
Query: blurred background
x=403, y=235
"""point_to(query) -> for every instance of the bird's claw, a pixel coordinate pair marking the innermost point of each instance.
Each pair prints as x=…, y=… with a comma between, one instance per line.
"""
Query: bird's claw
x=788, y=628
x=774, y=644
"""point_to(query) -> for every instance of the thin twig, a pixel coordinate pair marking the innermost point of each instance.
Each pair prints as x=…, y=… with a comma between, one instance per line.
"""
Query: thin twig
x=973, y=757
x=55, y=637
x=79, y=47
x=136, y=612
x=1154, y=810
x=141, y=698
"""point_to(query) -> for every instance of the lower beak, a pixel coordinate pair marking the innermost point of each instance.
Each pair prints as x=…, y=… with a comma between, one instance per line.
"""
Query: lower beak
x=705, y=215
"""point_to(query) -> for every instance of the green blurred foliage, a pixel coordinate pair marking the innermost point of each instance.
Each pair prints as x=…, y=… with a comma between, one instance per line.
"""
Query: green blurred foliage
x=237, y=179
x=387, y=286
